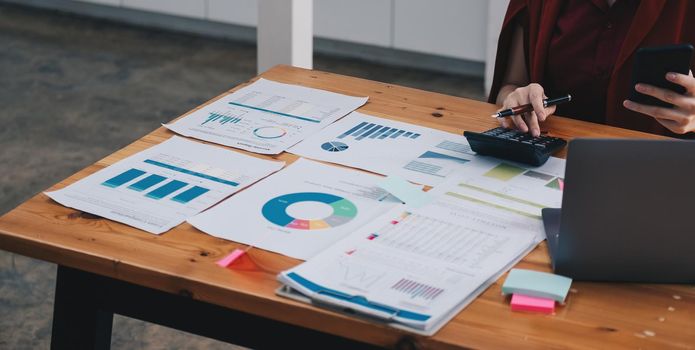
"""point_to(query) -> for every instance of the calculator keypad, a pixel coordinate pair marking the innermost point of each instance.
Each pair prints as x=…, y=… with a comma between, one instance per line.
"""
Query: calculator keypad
x=514, y=145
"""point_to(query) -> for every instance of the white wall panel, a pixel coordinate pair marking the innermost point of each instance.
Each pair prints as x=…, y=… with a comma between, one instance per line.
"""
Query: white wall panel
x=463, y=29
x=241, y=12
x=361, y=21
x=185, y=8
x=454, y=28
x=496, y=12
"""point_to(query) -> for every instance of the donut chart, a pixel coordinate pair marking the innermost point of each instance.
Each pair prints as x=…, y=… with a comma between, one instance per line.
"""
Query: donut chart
x=275, y=211
x=269, y=132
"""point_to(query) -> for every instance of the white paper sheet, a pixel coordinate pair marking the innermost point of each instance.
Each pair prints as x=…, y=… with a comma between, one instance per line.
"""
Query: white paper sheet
x=158, y=188
x=299, y=211
x=266, y=117
x=422, y=155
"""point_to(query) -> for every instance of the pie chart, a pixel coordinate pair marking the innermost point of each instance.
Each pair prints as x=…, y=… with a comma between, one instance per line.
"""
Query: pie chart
x=275, y=211
x=334, y=146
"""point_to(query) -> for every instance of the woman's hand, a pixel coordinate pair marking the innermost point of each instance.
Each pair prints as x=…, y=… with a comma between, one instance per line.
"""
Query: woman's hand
x=681, y=118
x=527, y=122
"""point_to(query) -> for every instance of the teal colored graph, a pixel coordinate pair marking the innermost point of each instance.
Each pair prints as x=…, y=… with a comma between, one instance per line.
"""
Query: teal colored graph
x=221, y=119
x=155, y=186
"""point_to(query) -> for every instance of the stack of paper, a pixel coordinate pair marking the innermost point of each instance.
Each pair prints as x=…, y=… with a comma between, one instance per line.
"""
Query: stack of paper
x=416, y=268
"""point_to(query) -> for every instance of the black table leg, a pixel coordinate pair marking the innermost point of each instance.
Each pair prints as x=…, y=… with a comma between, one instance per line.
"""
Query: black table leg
x=85, y=304
x=79, y=321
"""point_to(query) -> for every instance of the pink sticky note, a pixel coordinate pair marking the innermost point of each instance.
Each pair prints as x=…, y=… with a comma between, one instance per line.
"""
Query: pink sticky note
x=561, y=183
x=229, y=259
x=527, y=303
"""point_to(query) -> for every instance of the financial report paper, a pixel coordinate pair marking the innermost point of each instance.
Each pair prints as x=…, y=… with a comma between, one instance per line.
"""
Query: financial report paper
x=298, y=211
x=266, y=117
x=158, y=188
x=419, y=154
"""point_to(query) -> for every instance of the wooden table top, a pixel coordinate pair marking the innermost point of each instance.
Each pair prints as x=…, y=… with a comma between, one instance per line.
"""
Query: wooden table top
x=181, y=261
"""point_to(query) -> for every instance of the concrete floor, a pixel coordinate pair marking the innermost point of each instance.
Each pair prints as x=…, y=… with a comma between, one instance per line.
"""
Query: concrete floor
x=73, y=90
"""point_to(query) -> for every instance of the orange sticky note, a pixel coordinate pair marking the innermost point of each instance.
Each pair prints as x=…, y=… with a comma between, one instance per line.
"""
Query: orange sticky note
x=526, y=303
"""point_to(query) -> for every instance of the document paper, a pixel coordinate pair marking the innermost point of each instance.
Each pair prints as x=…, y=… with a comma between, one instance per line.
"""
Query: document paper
x=416, y=269
x=158, y=188
x=509, y=186
x=266, y=117
x=418, y=154
x=299, y=211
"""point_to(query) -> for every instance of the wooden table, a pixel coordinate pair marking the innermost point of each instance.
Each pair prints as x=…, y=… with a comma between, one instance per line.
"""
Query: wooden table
x=106, y=267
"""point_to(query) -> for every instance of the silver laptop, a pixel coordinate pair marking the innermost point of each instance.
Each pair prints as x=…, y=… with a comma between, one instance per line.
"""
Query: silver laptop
x=628, y=212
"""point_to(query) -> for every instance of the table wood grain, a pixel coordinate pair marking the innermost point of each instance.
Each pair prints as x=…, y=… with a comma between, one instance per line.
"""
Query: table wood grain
x=181, y=261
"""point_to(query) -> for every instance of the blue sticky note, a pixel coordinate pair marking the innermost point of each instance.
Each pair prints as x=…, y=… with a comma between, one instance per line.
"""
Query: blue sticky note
x=410, y=194
x=537, y=284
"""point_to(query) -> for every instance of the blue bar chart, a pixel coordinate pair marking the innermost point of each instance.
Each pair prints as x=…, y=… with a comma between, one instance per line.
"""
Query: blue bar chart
x=221, y=119
x=147, y=182
x=122, y=178
x=190, y=194
x=365, y=130
x=150, y=181
x=166, y=189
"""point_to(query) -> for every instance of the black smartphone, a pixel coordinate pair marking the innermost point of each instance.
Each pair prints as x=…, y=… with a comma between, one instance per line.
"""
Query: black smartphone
x=651, y=65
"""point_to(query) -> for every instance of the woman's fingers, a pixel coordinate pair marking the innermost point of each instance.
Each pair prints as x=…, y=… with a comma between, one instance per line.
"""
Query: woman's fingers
x=532, y=121
x=518, y=120
x=505, y=122
x=686, y=81
x=674, y=126
x=675, y=119
x=517, y=99
x=535, y=97
x=657, y=112
x=669, y=96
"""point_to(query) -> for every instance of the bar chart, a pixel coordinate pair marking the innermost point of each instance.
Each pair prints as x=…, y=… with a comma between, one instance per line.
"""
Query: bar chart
x=146, y=184
x=222, y=118
x=166, y=189
x=365, y=130
x=190, y=194
x=416, y=289
x=159, y=186
x=123, y=177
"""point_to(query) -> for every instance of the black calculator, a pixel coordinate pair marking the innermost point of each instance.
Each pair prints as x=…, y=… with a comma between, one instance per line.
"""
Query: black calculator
x=514, y=145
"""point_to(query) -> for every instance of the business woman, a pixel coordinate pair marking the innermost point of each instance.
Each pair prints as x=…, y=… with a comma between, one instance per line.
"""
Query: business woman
x=586, y=48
